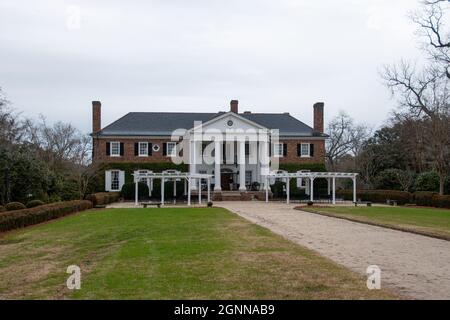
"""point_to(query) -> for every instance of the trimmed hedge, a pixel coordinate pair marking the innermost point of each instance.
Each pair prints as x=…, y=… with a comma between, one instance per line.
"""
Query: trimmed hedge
x=35, y=203
x=129, y=191
x=420, y=198
x=2, y=209
x=431, y=199
x=103, y=198
x=15, y=206
x=377, y=196
x=423, y=198
x=26, y=217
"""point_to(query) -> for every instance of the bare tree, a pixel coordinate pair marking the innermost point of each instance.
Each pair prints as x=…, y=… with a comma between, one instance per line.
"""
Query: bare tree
x=425, y=97
x=346, y=138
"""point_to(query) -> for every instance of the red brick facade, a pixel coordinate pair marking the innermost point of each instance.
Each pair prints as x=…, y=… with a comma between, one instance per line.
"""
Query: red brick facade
x=100, y=154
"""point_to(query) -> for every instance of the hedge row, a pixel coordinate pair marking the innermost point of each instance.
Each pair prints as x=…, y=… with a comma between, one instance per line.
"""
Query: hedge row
x=103, y=198
x=377, y=196
x=26, y=217
x=431, y=199
x=421, y=198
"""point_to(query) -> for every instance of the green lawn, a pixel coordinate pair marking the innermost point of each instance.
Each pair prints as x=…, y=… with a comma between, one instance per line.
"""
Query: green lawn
x=430, y=221
x=205, y=253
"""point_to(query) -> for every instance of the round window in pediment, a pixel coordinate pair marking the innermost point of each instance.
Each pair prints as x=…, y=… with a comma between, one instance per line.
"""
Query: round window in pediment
x=230, y=123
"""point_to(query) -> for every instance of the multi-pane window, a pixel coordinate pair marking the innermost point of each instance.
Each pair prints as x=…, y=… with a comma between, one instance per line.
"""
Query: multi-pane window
x=305, y=150
x=278, y=150
x=115, y=149
x=171, y=149
x=248, y=178
x=115, y=180
x=143, y=149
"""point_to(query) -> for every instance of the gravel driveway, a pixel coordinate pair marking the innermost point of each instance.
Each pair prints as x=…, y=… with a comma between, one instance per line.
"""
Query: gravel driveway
x=412, y=265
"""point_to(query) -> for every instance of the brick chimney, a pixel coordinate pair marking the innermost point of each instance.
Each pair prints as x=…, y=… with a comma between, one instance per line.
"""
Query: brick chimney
x=96, y=116
x=318, y=117
x=234, y=106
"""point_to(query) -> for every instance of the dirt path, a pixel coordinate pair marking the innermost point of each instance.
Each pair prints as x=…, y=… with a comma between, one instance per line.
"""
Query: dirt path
x=412, y=265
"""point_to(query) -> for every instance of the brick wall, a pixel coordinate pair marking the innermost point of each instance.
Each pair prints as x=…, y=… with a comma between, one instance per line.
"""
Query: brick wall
x=292, y=157
x=156, y=157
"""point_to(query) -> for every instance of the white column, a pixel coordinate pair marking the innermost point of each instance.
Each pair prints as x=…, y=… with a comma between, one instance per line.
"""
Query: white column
x=189, y=191
x=312, y=188
x=288, y=186
x=217, y=160
x=199, y=191
x=136, y=190
x=354, y=189
x=209, y=189
x=242, y=166
x=328, y=186
x=162, y=191
x=174, y=191
x=334, y=190
x=193, y=160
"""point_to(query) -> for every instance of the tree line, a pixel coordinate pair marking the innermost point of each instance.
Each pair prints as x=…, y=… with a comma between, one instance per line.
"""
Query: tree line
x=42, y=161
x=413, y=150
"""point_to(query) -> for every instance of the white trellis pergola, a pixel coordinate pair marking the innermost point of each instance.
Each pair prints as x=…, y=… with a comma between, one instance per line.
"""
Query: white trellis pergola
x=174, y=176
x=330, y=176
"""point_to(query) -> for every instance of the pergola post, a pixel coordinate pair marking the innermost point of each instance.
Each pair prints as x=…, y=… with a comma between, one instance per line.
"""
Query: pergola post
x=328, y=186
x=209, y=189
x=136, y=190
x=354, y=189
x=174, y=190
x=312, y=188
x=334, y=190
x=199, y=191
x=189, y=190
x=185, y=187
x=162, y=191
x=288, y=182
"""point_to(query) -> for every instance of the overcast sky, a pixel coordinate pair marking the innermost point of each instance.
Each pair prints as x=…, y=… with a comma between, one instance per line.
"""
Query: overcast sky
x=195, y=56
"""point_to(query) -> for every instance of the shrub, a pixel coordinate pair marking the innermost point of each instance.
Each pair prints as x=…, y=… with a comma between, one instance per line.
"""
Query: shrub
x=35, y=203
x=310, y=203
x=377, y=196
x=103, y=198
x=26, y=217
x=15, y=206
x=210, y=204
x=441, y=201
x=2, y=209
x=129, y=190
x=387, y=179
x=278, y=189
x=424, y=198
x=427, y=181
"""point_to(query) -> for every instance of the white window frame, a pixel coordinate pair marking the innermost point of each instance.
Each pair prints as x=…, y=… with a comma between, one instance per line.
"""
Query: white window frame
x=112, y=181
x=139, y=149
x=280, y=150
x=308, y=155
x=174, y=149
x=111, y=148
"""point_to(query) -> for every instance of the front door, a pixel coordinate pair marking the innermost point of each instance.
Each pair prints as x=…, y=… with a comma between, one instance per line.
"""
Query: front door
x=226, y=179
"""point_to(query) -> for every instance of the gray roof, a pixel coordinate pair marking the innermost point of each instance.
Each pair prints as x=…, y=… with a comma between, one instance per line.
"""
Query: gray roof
x=164, y=123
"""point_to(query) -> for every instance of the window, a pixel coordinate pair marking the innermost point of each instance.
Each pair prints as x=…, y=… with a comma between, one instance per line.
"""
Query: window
x=248, y=178
x=171, y=149
x=247, y=149
x=115, y=149
x=143, y=149
x=278, y=150
x=305, y=150
x=115, y=180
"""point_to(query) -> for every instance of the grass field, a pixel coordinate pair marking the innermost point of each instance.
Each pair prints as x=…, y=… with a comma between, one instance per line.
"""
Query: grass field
x=167, y=254
x=428, y=221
